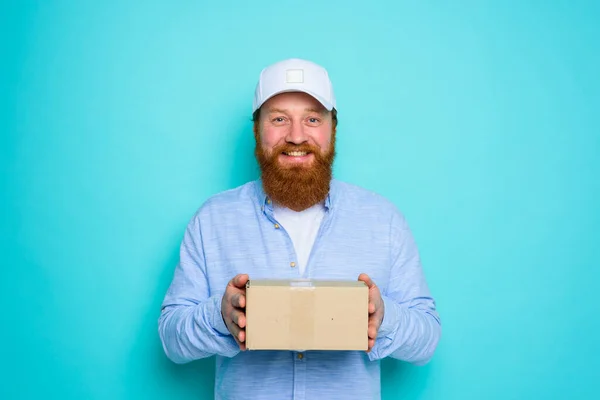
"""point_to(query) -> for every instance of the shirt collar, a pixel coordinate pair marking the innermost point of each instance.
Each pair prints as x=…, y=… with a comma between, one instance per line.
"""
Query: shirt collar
x=266, y=204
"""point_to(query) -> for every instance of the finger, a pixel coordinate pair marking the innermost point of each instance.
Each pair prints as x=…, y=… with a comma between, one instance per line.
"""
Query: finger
x=367, y=280
x=371, y=344
x=234, y=329
x=372, y=308
x=238, y=333
x=239, y=318
x=239, y=281
x=372, y=331
x=238, y=300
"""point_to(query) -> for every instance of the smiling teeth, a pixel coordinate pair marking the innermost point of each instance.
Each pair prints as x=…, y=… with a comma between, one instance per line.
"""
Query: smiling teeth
x=297, y=153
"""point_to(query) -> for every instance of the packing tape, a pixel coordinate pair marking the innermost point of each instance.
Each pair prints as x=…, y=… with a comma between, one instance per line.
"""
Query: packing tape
x=302, y=324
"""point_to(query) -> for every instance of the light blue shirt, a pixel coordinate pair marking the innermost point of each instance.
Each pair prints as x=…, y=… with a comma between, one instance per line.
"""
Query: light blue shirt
x=234, y=232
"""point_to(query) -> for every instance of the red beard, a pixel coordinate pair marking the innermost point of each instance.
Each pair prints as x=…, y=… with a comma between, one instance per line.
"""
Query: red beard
x=296, y=187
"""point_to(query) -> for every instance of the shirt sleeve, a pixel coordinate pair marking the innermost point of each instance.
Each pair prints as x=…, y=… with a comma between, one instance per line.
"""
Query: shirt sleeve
x=190, y=324
x=411, y=326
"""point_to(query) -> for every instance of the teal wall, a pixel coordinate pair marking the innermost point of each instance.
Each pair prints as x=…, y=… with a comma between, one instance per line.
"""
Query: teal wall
x=478, y=119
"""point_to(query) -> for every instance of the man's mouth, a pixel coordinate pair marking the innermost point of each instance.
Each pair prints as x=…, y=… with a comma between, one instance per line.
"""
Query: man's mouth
x=296, y=153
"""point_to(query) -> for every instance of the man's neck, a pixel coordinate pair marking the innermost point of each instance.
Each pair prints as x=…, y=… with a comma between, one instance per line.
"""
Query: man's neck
x=281, y=207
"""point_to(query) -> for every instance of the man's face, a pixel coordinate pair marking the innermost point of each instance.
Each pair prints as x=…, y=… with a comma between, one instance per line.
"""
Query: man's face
x=295, y=147
x=297, y=126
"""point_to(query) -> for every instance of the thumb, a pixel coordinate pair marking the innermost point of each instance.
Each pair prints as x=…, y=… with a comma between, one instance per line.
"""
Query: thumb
x=367, y=280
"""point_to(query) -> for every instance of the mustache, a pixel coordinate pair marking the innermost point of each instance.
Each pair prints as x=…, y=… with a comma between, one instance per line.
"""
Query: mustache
x=288, y=147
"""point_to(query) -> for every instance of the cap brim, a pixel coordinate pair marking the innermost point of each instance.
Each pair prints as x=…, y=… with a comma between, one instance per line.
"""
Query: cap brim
x=328, y=106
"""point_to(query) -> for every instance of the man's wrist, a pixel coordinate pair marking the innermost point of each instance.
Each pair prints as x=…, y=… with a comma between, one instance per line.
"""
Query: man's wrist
x=218, y=319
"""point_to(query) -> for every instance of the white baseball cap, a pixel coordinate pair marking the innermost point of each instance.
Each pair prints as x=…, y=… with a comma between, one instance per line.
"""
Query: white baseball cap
x=294, y=75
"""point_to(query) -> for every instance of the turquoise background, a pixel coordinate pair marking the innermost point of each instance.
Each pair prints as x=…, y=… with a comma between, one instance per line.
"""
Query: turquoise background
x=479, y=119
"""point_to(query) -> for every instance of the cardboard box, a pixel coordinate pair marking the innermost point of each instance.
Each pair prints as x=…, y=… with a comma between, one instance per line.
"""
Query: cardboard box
x=306, y=315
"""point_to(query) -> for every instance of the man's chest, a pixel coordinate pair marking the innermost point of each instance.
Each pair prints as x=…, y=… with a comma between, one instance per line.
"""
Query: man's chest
x=267, y=251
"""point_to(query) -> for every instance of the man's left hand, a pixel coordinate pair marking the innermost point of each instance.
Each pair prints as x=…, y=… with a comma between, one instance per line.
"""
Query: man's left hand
x=376, y=309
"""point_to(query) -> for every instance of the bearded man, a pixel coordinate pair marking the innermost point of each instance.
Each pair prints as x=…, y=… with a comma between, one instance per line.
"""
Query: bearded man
x=296, y=221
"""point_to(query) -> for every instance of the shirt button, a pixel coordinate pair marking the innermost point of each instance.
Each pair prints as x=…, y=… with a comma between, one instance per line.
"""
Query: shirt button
x=300, y=356
x=292, y=264
x=268, y=201
x=276, y=226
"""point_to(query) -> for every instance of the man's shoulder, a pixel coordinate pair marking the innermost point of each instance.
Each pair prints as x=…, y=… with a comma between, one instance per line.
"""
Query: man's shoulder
x=368, y=206
x=234, y=199
x=350, y=194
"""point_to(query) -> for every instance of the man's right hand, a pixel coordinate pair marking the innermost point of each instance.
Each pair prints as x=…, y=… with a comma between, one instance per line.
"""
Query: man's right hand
x=233, y=307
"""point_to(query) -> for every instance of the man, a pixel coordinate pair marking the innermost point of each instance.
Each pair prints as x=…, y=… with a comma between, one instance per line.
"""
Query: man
x=296, y=221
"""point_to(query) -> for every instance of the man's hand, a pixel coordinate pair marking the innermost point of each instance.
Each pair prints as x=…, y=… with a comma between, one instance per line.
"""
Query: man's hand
x=376, y=309
x=233, y=308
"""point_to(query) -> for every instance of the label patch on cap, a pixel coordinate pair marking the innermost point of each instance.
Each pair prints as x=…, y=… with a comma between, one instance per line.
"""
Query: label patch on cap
x=294, y=76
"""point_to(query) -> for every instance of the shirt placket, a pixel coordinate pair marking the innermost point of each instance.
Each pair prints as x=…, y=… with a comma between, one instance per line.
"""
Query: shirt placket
x=293, y=270
x=299, y=375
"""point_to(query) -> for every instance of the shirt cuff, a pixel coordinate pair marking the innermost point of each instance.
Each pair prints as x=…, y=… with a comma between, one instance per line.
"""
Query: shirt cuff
x=389, y=325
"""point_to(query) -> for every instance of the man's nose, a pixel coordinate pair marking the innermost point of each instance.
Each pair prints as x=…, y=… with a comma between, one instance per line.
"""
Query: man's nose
x=296, y=134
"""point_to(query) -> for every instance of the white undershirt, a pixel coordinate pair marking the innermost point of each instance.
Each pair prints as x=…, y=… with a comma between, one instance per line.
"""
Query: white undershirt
x=302, y=227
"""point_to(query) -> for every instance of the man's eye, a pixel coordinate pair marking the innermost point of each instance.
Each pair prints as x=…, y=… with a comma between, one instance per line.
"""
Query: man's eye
x=313, y=120
x=278, y=119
